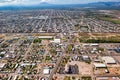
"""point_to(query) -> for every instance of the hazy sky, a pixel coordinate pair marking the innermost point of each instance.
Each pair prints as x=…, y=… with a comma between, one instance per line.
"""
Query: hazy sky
x=30, y=2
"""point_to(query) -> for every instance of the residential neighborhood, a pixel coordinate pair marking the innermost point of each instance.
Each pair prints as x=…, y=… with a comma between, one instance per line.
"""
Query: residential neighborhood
x=46, y=56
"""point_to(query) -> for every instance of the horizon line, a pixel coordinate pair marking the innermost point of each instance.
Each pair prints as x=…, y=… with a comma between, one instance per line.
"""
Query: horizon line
x=54, y=3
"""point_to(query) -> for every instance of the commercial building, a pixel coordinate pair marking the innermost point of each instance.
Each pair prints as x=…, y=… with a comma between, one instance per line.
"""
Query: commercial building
x=109, y=60
x=99, y=65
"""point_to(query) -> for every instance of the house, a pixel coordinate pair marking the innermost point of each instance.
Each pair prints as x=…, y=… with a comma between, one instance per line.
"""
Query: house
x=86, y=58
x=46, y=70
x=2, y=65
x=56, y=41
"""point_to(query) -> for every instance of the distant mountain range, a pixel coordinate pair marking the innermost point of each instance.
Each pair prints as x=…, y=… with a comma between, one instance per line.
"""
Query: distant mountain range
x=105, y=4
x=44, y=5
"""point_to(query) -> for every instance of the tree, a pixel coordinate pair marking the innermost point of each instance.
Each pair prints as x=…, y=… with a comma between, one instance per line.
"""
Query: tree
x=67, y=78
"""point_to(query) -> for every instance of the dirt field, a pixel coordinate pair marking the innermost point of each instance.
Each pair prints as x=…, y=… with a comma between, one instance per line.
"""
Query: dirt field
x=84, y=68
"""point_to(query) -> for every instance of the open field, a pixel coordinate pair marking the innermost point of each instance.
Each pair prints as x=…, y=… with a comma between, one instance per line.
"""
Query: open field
x=99, y=37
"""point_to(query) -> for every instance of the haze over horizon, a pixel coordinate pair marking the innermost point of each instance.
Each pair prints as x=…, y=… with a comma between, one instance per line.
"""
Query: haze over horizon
x=33, y=2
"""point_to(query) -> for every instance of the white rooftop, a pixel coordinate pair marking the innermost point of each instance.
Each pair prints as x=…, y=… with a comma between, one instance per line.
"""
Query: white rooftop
x=2, y=65
x=2, y=52
x=27, y=64
x=46, y=71
x=85, y=57
x=56, y=41
x=99, y=65
x=45, y=37
x=91, y=44
x=94, y=44
x=109, y=60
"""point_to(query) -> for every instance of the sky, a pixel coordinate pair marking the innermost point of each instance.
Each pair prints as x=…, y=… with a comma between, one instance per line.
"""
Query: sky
x=32, y=2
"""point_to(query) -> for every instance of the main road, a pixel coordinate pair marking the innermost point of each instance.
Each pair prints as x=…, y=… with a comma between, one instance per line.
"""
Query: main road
x=56, y=67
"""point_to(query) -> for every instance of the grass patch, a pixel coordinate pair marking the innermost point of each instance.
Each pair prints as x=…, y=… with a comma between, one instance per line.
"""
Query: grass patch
x=100, y=39
x=86, y=78
x=115, y=21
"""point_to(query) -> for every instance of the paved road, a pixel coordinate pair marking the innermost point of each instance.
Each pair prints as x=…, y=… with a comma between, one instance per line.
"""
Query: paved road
x=56, y=67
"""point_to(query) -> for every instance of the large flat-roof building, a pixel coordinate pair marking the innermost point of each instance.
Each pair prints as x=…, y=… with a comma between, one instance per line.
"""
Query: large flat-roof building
x=99, y=65
x=109, y=60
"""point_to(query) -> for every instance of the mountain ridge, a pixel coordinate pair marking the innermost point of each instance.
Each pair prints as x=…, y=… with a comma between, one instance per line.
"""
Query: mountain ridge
x=44, y=5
